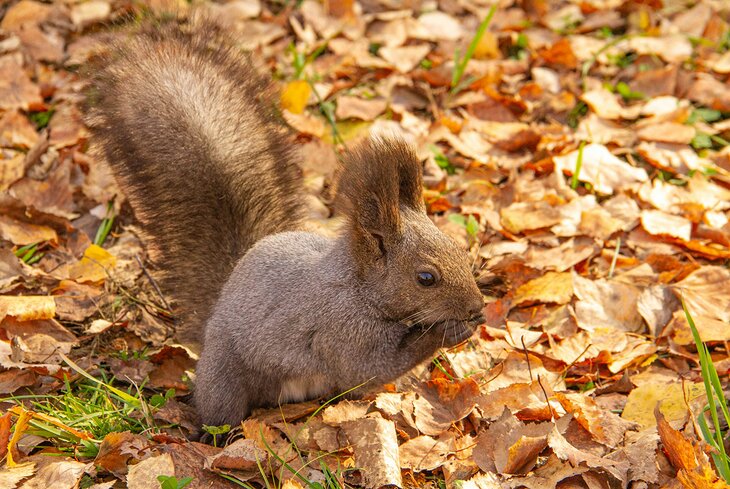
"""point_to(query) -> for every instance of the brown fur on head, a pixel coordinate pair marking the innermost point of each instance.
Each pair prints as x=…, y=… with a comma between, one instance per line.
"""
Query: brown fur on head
x=396, y=248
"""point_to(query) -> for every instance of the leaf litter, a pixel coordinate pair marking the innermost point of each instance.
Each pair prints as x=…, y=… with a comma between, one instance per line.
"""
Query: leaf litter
x=582, y=157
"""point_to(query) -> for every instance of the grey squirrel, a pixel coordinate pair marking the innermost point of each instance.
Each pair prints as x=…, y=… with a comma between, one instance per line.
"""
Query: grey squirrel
x=189, y=128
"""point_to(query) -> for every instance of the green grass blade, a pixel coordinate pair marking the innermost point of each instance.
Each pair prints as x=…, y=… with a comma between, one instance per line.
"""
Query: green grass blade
x=127, y=398
x=578, y=165
x=460, y=67
x=712, y=388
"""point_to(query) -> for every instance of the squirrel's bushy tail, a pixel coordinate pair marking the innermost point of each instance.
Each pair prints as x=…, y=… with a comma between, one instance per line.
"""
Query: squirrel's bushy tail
x=186, y=123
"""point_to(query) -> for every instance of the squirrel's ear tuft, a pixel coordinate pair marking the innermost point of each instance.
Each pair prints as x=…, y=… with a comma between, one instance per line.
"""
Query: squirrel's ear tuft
x=379, y=177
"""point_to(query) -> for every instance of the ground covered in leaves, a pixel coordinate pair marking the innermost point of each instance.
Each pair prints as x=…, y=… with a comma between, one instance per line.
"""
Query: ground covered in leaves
x=579, y=149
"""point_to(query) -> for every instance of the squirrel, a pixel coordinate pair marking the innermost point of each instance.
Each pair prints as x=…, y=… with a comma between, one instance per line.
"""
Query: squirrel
x=190, y=129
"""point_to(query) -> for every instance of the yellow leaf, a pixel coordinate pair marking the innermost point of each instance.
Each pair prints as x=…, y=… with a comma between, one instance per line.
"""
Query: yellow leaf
x=672, y=398
x=295, y=95
x=93, y=265
x=487, y=47
x=27, y=308
x=553, y=287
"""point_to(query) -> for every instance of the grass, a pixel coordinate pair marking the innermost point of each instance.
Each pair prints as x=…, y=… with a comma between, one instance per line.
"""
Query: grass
x=30, y=254
x=461, y=62
x=106, y=225
x=78, y=419
x=170, y=482
x=578, y=165
x=715, y=402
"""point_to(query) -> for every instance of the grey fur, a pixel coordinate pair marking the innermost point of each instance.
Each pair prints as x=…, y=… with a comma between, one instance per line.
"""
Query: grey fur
x=296, y=315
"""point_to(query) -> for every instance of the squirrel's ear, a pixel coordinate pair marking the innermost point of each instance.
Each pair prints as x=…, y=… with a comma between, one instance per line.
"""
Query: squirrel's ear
x=379, y=177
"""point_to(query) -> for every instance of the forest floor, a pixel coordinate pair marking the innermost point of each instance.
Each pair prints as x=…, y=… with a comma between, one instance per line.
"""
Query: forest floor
x=579, y=150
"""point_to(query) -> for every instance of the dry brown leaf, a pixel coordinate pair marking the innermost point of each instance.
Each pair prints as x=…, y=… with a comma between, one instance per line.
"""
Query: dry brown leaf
x=66, y=127
x=61, y=474
x=706, y=292
x=405, y=58
x=27, y=308
x=658, y=223
x=527, y=402
x=117, y=450
x=709, y=91
x=12, y=380
x=10, y=477
x=514, y=369
x=605, y=427
x=667, y=132
x=239, y=455
x=442, y=402
x=358, y=108
x=16, y=131
x=23, y=233
x=524, y=216
x=91, y=12
x=345, y=411
x=606, y=105
x=425, y=453
x=54, y=195
x=565, y=451
x=76, y=302
x=12, y=168
x=172, y=363
x=144, y=474
x=563, y=257
x=606, y=304
x=17, y=91
x=508, y=446
x=709, y=328
x=375, y=445
x=600, y=168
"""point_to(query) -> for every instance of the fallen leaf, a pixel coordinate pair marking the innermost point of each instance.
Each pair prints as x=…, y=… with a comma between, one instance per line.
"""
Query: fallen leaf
x=658, y=223
x=524, y=216
x=17, y=91
x=671, y=399
x=295, y=95
x=405, y=58
x=27, y=308
x=10, y=477
x=606, y=304
x=239, y=455
x=565, y=451
x=425, y=453
x=144, y=474
x=600, y=168
x=553, y=287
x=16, y=131
x=23, y=233
x=605, y=427
x=358, y=108
x=375, y=445
x=508, y=446
x=706, y=292
x=93, y=267
x=61, y=474
x=91, y=12
x=117, y=450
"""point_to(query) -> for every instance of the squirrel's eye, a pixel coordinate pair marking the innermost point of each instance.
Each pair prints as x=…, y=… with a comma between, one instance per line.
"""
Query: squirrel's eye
x=426, y=279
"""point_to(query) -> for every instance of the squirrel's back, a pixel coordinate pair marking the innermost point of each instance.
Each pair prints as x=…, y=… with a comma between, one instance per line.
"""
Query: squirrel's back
x=187, y=124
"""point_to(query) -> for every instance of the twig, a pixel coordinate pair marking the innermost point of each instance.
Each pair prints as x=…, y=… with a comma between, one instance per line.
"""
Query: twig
x=153, y=283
